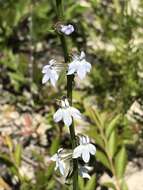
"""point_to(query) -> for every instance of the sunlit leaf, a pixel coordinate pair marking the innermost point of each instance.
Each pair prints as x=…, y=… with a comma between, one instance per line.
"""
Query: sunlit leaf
x=120, y=162
x=110, y=127
x=91, y=183
x=124, y=185
x=17, y=155
x=55, y=145
x=101, y=157
x=109, y=185
x=112, y=144
x=80, y=183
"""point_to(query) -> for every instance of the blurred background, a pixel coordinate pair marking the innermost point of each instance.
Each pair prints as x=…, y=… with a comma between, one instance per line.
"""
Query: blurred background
x=110, y=98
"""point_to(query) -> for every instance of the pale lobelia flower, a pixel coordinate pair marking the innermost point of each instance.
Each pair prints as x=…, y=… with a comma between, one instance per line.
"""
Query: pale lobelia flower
x=62, y=159
x=84, y=149
x=59, y=163
x=79, y=65
x=66, y=113
x=83, y=171
x=50, y=73
x=67, y=29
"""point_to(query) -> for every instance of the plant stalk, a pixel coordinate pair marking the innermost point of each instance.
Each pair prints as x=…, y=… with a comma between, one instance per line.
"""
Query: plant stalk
x=70, y=80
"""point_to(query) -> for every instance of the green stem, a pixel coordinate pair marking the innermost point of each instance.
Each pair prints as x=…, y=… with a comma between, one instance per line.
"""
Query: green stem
x=70, y=80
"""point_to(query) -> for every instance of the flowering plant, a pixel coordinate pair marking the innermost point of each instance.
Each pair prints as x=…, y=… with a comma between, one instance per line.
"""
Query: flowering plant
x=68, y=162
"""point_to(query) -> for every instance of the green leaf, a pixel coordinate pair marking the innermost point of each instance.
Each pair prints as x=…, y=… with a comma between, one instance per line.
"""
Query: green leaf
x=101, y=157
x=112, y=144
x=120, y=162
x=94, y=116
x=50, y=170
x=124, y=185
x=92, y=132
x=109, y=185
x=54, y=146
x=112, y=125
x=91, y=183
x=80, y=183
x=17, y=155
x=4, y=159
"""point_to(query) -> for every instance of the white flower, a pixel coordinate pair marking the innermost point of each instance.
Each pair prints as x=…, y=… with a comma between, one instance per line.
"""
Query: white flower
x=62, y=159
x=84, y=149
x=67, y=29
x=66, y=113
x=50, y=73
x=83, y=171
x=59, y=163
x=79, y=65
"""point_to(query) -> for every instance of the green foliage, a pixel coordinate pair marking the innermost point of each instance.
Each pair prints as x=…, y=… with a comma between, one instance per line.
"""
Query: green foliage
x=121, y=162
x=112, y=151
x=90, y=185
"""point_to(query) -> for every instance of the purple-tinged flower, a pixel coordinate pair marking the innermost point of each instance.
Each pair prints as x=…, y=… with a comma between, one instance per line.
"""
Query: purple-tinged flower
x=67, y=29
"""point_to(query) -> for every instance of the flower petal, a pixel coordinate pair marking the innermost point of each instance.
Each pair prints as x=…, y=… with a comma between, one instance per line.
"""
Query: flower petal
x=82, y=55
x=87, y=66
x=85, y=154
x=92, y=149
x=67, y=103
x=53, y=77
x=52, y=62
x=87, y=139
x=77, y=151
x=71, y=71
x=67, y=117
x=75, y=113
x=73, y=66
x=85, y=175
x=68, y=29
x=58, y=115
x=46, y=69
x=81, y=72
x=61, y=167
x=45, y=78
x=54, y=157
x=83, y=172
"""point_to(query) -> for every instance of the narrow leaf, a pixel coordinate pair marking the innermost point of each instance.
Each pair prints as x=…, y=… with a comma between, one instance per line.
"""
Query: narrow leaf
x=91, y=183
x=112, y=144
x=80, y=183
x=94, y=116
x=54, y=146
x=112, y=125
x=17, y=155
x=101, y=157
x=124, y=185
x=120, y=162
x=109, y=185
